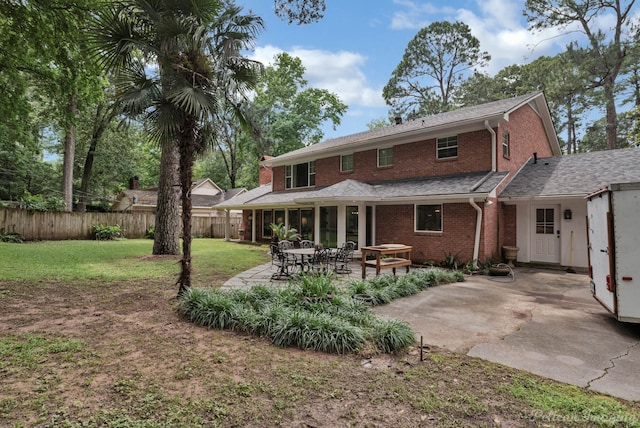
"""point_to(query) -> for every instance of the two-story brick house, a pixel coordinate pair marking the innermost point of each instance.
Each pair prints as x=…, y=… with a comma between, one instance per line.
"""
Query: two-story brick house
x=431, y=183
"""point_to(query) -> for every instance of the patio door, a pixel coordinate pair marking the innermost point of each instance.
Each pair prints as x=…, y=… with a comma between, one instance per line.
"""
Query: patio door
x=352, y=223
x=546, y=234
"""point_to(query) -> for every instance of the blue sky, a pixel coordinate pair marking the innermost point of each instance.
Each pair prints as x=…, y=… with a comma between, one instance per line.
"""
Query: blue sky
x=354, y=49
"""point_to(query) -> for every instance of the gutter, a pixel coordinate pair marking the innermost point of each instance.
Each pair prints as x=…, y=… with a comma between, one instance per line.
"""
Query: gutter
x=493, y=146
x=476, y=244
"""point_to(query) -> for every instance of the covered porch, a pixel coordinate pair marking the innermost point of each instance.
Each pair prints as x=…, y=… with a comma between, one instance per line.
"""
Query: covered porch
x=436, y=215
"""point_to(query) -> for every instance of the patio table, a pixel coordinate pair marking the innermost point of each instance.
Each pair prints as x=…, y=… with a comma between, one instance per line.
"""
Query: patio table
x=394, y=262
x=302, y=253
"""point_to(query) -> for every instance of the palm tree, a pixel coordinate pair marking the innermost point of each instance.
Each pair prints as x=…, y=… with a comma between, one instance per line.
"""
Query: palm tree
x=176, y=61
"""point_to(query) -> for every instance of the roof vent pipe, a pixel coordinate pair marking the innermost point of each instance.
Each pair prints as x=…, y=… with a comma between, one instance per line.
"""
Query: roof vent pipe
x=535, y=157
x=398, y=120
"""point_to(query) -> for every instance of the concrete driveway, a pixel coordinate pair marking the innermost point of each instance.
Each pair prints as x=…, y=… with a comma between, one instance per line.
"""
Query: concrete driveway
x=545, y=322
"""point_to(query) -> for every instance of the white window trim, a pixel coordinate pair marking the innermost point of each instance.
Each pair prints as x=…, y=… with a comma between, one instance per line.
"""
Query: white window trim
x=415, y=218
x=446, y=148
x=292, y=176
x=352, y=162
x=378, y=157
x=507, y=145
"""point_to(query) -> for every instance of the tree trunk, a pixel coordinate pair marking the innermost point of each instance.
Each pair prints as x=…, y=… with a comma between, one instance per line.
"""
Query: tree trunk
x=69, y=153
x=166, y=238
x=188, y=145
x=101, y=122
x=612, y=116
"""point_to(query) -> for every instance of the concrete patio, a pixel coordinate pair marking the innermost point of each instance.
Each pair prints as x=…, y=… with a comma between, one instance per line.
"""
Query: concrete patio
x=261, y=275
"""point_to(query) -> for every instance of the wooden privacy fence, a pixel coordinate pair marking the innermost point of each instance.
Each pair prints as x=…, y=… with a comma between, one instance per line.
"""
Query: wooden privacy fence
x=53, y=226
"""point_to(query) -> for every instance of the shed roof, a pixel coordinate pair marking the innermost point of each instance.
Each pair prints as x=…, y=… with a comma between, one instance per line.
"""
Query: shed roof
x=574, y=175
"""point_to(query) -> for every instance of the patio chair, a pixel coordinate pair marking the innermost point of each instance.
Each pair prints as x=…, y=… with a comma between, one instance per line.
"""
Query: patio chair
x=274, y=250
x=286, y=263
x=344, y=257
x=285, y=245
x=305, y=243
x=319, y=262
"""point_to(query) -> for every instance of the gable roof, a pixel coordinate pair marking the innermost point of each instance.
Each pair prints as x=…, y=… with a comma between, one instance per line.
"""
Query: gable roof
x=573, y=175
x=463, y=120
x=149, y=197
x=449, y=187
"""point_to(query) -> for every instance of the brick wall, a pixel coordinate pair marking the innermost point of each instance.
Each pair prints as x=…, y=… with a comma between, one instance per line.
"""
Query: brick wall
x=527, y=135
x=409, y=160
x=508, y=225
x=418, y=159
x=394, y=224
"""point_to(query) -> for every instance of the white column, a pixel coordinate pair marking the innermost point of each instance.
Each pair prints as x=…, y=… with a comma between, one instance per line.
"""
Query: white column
x=253, y=225
x=316, y=223
x=227, y=225
x=342, y=225
x=373, y=225
x=362, y=225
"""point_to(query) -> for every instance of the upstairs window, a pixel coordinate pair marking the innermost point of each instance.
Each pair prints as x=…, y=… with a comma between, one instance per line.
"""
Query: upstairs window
x=447, y=147
x=505, y=144
x=346, y=163
x=300, y=175
x=385, y=157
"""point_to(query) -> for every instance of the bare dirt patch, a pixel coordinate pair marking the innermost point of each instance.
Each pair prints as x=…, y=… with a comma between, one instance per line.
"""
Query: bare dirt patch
x=141, y=364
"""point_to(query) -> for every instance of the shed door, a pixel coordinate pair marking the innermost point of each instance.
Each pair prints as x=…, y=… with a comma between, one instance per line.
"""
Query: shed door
x=546, y=234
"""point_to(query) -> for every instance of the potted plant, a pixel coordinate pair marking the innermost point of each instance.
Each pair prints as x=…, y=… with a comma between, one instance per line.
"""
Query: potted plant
x=281, y=233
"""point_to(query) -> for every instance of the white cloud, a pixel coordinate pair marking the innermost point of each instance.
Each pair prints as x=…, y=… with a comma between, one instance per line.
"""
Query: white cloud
x=338, y=72
x=415, y=15
x=498, y=24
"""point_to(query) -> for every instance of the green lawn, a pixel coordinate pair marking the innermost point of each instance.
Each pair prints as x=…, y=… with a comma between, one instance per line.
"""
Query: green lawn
x=82, y=261
x=92, y=337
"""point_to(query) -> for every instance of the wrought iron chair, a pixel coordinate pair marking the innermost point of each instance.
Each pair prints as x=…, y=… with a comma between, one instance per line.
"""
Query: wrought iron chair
x=319, y=262
x=286, y=263
x=343, y=258
x=305, y=243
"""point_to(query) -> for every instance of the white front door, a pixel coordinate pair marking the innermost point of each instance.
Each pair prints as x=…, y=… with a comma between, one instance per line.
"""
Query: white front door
x=546, y=234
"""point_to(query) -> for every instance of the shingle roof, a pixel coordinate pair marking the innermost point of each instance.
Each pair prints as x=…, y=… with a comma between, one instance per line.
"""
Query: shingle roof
x=150, y=197
x=447, y=186
x=448, y=119
x=577, y=174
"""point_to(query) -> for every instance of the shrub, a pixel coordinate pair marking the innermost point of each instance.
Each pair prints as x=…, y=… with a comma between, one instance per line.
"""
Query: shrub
x=103, y=232
x=15, y=238
x=150, y=233
x=40, y=203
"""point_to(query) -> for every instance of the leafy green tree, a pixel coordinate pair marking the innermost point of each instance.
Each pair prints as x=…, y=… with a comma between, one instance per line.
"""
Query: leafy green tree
x=595, y=136
x=43, y=43
x=299, y=11
x=197, y=46
x=606, y=50
x=380, y=122
x=432, y=68
x=291, y=114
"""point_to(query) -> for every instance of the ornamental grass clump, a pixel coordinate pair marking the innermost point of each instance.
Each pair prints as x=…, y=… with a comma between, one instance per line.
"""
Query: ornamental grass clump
x=391, y=335
x=313, y=313
x=317, y=331
x=211, y=308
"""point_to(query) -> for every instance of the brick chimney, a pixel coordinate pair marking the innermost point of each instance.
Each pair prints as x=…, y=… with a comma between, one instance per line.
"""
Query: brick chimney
x=265, y=171
x=134, y=183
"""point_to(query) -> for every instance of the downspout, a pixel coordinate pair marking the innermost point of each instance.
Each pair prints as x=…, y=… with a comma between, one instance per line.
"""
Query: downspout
x=476, y=244
x=493, y=146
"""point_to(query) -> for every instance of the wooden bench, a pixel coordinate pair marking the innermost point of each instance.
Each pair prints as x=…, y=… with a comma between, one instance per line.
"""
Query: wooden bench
x=386, y=262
